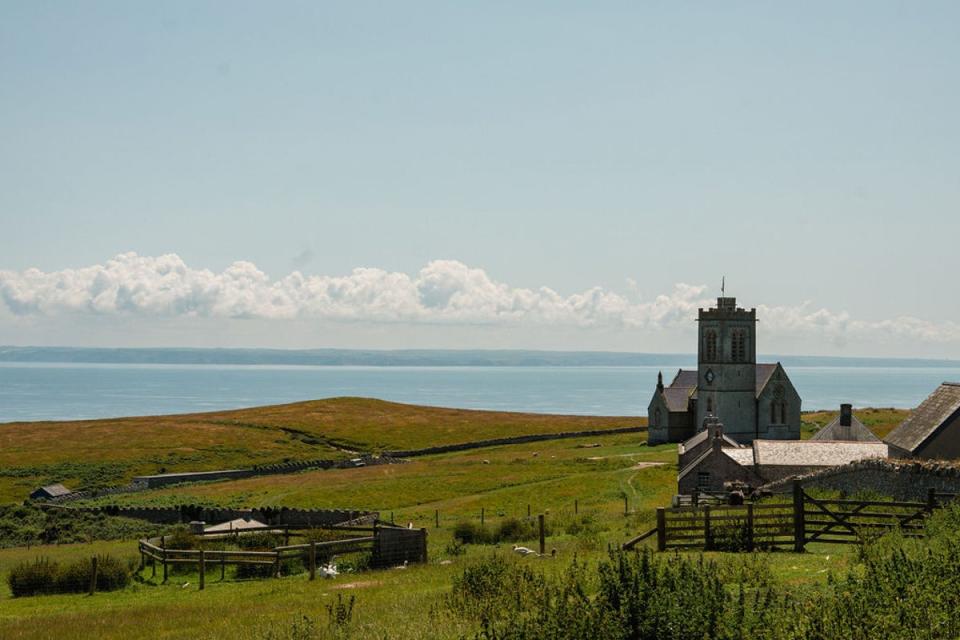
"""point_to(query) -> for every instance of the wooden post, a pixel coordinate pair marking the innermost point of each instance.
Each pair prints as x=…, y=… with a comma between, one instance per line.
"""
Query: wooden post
x=423, y=545
x=203, y=568
x=223, y=567
x=163, y=545
x=93, y=575
x=286, y=535
x=543, y=539
x=436, y=517
x=695, y=498
x=576, y=506
x=749, y=526
x=799, y=525
x=661, y=529
x=391, y=518
x=276, y=564
x=707, y=532
x=153, y=567
x=143, y=560
x=313, y=560
x=626, y=505
x=528, y=510
x=931, y=499
x=481, y=516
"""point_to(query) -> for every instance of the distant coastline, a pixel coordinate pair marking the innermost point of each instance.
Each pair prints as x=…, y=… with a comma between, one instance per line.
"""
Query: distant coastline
x=413, y=357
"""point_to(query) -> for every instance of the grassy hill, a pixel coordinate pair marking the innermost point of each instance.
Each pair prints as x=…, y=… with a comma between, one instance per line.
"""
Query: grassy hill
x=105, y=452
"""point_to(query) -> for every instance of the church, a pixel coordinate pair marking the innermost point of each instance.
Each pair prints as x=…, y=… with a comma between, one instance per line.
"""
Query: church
x=753, y=401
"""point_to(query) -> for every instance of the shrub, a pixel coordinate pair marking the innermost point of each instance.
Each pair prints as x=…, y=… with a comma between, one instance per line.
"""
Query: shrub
x=44, y=576
x=471, y=533
x=259, y=541
x=181, y=538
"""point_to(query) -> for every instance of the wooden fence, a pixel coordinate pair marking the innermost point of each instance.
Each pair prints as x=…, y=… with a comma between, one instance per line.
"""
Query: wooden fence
x=388, y=545
x=784, y=524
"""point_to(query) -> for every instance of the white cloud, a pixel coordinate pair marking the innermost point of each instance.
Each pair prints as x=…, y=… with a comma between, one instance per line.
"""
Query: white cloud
x=444, y=291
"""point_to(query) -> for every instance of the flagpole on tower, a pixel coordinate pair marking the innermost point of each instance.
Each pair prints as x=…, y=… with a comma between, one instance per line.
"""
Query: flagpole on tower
x=723, y=285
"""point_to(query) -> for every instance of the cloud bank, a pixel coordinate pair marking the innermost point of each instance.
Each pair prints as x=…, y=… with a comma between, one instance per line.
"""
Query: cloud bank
x=443, y=291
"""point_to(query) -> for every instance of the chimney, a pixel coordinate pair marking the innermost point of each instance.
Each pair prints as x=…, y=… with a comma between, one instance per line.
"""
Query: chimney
x=846, y=415
x=717, y=433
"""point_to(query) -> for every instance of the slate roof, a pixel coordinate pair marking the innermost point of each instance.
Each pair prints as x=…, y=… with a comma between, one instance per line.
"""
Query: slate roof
x=764, y=371
x=700, y=436
x=743, y=456
x=685, y=378
x=924, y=421
x=56, y=490
x=856, y=432
x=678, y=398
x=814, y=453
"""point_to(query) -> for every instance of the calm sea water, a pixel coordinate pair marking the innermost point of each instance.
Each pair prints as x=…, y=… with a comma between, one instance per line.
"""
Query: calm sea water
x=75, y=391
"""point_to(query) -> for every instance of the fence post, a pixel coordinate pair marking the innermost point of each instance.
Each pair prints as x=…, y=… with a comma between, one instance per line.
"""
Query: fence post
x=707, y=532
x=93, y=575
x=695, y=498
x=543, y=539
x=423, y=542
x=576, y=506
x=749, y=526
x=626, y=505
x=276, y=564
x=313, y=560
x=436, y=517
x=931, y=499
x=528, y=510
x=481, y=516
x=223, y=567
x=163, y=542
x=661, y=529
x=799, y=528
x=203, y=569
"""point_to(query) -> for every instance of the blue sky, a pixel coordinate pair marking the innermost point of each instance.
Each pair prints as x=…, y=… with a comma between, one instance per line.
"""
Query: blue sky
x=807, y=151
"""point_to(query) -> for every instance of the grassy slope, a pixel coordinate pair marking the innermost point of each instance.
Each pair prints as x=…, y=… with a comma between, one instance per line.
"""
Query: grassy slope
x=395, y=604
x=111, y=451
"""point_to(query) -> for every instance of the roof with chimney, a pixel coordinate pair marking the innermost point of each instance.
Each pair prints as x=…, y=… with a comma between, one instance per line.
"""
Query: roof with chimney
x=923, y=422
x=701, y=436
x=854, y=431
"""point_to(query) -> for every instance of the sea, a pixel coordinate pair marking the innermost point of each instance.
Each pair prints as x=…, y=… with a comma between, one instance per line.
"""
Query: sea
x=85, y=390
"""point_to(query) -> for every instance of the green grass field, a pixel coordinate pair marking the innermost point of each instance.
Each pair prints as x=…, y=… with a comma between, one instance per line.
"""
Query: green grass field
x=595, y=474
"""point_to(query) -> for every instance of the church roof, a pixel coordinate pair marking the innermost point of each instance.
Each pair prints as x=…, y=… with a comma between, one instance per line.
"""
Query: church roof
x=685, y=378
x=856, y=432
x=926, y=419
x=678, y=398
x=814, y=453
x=764, y=371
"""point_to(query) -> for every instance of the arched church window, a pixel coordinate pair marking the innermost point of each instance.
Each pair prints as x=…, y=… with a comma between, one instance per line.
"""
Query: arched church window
x=773, y=412
x=711, y=346
x=783, y=412
x=738, y=346
x=709, y=405
x=656, y=417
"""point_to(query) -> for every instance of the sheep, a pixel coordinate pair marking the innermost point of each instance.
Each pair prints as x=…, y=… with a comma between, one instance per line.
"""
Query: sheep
x=329, y=571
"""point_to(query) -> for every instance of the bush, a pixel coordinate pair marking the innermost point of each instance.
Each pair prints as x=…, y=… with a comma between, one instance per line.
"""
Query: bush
x=44, y=576
x=259, y=541
x=471, y=533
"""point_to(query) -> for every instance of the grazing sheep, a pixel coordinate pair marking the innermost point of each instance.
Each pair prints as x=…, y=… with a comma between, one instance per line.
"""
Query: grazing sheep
x=329, y=571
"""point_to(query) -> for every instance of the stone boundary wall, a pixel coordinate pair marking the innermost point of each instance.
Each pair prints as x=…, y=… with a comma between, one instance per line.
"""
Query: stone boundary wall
x=277, y=516
x=908, y=480
x=142, y=483
x=537, y=437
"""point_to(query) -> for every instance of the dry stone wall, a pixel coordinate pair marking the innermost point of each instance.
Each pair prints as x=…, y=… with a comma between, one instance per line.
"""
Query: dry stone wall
x=277, y=516
x=900, y=479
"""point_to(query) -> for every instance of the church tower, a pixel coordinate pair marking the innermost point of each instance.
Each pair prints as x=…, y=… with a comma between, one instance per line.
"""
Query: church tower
x=727, y=368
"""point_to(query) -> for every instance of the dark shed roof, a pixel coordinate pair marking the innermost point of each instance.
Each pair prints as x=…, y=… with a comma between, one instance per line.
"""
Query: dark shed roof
x=924, y=421
x=51, y=491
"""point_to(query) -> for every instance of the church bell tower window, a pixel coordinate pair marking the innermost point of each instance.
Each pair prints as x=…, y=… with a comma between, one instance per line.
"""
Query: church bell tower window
x=711, y=346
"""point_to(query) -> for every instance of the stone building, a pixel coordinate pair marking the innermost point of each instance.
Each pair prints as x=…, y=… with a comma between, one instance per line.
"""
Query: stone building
x=753, y=400
x=932, y=430
x=846, y=427
x=764, y=461
x=50, y=491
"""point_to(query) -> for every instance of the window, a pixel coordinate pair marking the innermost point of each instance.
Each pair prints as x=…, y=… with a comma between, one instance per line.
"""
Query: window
x=738, y=346
x=778, y=412
x=703, y=480
x=656, y=417
x=711, y=346
x=709, y=404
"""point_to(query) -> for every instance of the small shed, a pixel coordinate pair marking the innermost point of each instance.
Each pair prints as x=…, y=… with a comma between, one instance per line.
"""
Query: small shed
x=932, y=430
x=50, y=491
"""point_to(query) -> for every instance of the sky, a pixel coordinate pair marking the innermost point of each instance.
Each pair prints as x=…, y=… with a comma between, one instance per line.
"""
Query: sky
x=545, y=175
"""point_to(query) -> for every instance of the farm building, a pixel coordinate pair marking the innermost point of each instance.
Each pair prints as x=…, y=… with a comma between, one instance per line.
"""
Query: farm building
x=49, y=492
x=764, y=461
x=933, y=429
x=753, y=400
x=845, y=427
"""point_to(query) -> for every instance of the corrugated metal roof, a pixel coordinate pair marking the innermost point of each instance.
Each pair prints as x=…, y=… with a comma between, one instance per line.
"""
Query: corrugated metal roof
x=856, y=432
x=814, y=453
x=927, y=418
